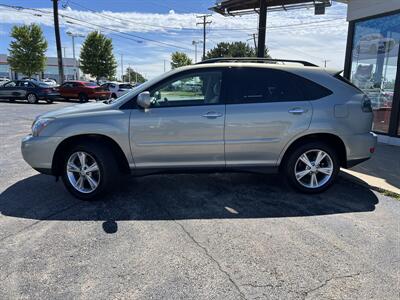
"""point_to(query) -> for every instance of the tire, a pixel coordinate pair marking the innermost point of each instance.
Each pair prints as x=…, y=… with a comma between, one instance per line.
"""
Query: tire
x=83, y=97
x=32, y=98
x=114, y=96
x=105, y=175
x=311, y=178
x=49, y=101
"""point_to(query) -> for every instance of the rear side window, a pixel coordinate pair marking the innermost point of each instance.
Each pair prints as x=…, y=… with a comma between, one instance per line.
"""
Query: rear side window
x=253, y=85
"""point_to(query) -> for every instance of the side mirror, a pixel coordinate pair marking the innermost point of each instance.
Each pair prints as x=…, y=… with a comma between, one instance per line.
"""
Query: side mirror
x=144, y=99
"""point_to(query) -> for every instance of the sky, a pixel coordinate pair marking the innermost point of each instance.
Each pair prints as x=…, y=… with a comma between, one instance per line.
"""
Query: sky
x=146, y=32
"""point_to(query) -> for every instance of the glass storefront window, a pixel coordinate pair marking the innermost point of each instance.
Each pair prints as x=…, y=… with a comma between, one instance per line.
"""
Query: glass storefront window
x=374, y=64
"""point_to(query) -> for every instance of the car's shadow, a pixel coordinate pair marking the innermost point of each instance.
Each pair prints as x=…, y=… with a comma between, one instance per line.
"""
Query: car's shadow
x=175, y=197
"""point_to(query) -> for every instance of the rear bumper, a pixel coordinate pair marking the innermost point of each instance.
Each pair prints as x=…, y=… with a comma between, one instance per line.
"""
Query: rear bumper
x=359, y=148
x=38, y=151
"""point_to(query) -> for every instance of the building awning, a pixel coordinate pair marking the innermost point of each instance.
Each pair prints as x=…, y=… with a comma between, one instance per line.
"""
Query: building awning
x=236, y=7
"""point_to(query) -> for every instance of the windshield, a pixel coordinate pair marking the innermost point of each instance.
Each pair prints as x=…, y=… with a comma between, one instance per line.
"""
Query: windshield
x=139, y=87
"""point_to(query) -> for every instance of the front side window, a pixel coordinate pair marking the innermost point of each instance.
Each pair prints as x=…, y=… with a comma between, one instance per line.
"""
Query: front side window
x=201, y=88
x=10, y=84
x=67, y=85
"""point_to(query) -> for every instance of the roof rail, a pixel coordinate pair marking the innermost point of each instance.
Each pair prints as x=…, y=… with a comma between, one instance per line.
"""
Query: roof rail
x=255, y=59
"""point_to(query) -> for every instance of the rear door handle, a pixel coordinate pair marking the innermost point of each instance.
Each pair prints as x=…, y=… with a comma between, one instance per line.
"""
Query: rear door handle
x=212, y=115
x=297, y=111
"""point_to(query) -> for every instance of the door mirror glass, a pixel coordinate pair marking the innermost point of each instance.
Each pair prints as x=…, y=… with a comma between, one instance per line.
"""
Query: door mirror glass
x=144, y=99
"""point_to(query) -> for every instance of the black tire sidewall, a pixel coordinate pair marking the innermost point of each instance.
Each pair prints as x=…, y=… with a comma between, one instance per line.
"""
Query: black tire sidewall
x=107, y=166
x=291, y=160
x=83, y=98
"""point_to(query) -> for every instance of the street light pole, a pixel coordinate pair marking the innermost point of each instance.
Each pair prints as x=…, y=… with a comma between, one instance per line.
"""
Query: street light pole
x=195, y=43
x=73, y=36
x=58, y=42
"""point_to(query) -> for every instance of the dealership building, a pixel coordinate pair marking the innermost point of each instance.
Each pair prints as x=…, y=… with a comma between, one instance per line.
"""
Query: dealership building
x=71, y=69
x=373, y=60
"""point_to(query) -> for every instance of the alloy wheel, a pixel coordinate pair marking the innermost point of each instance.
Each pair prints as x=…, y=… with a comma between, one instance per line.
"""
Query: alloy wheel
x=31, y=98
x=83, y=172
x=314, y=168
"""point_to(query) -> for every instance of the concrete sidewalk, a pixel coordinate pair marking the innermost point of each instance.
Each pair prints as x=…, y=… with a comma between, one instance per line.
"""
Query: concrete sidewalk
x=382, y=171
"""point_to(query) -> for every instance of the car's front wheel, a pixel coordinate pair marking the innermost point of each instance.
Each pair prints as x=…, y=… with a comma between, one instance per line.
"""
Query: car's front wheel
x=89, y=170
x=312, y=167
x=83, y=98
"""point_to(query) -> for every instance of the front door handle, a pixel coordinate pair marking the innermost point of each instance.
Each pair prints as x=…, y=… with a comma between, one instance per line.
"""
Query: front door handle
x=212, y=115
x=297, y=111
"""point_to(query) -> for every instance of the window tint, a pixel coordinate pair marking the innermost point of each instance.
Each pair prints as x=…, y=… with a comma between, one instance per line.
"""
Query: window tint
x=125, y=86
x=253, y=85
x=25, y=84
x=311, y=89
x=191, y=89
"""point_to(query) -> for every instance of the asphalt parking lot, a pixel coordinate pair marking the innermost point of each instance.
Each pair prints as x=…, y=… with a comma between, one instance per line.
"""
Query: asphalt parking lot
x=202, y=236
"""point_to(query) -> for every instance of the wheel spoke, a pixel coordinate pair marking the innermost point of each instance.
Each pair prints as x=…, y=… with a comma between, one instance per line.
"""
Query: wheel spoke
x=304, y=159
x=93, y=183
x=72, y=167
x=92, y=168
x=79, y=182
x=320, y=156
x=314, y=180
x=301, y=174
x=82, y=158
x=326, y=171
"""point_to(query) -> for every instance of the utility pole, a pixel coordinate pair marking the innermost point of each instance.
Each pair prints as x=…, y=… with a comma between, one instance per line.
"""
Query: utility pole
x=326, y=62
x=253, y=37
x=122, y=67
x=262, y=28
x=58, y=42
x=204, y=22
x=164, y=65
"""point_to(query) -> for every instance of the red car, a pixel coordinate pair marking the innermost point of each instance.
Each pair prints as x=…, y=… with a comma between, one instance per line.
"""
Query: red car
x=83, y=91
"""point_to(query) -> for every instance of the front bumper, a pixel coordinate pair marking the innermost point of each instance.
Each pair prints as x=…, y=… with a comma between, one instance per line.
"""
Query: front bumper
x=38, y=151
x=49, y=96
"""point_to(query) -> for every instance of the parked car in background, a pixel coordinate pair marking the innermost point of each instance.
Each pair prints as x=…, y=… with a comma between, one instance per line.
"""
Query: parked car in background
x=83, y=91
x=30, y=90
x=117, y=89
x=303, y=121
x=3, y=80
x=50, y=81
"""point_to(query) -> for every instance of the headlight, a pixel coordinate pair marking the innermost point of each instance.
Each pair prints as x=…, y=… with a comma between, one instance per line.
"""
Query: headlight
x=39, y=125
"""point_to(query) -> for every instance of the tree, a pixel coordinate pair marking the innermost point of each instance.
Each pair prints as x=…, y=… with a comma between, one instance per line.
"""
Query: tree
x=234, y=49
x=179, y=59
x=133, y=76
x=27, y=50
x=97, y=58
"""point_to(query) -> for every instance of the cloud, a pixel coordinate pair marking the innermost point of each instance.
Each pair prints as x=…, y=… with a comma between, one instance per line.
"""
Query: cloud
x=319, y=38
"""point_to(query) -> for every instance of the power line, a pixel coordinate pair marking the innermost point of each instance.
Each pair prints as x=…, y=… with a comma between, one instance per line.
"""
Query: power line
x=18, y=8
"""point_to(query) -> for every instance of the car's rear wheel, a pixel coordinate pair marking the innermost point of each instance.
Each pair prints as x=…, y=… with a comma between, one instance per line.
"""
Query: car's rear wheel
x=32, y=98
x=89, y=170
x=312, y=168
x=83, y=97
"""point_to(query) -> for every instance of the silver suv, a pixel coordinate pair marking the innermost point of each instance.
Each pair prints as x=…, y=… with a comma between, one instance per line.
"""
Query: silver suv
x=219, y=115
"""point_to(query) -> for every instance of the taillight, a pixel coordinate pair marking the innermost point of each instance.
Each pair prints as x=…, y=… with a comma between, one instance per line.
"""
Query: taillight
x=366, y=105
